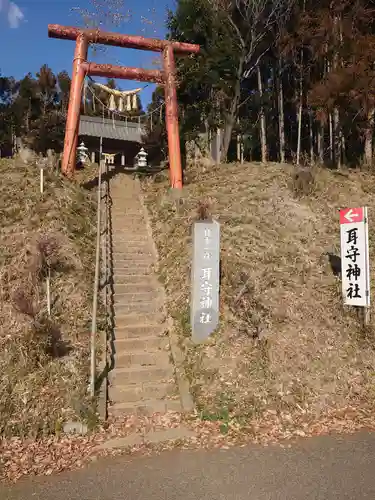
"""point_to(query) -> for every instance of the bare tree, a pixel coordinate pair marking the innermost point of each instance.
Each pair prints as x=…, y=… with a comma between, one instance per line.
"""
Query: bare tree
x=299, y=112
x=251, y=22
x=369, y=133
x=262, y=121
x=280, y=101
x=46, y=83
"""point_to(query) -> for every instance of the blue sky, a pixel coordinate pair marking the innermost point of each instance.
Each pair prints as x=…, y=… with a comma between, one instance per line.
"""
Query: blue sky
x=25, y=45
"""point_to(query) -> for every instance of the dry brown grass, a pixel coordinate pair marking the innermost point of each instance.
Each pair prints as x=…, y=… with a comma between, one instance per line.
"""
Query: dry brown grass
x=43, y=360
x=285, y=342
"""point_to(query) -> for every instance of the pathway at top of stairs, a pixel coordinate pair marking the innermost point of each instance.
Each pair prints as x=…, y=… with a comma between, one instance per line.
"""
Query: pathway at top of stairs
x=142, y=380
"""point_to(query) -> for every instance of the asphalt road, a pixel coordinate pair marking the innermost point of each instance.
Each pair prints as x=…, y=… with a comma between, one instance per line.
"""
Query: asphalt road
x=328, y=468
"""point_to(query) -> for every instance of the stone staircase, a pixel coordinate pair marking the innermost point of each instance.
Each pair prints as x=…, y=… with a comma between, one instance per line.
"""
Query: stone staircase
x=142, y=379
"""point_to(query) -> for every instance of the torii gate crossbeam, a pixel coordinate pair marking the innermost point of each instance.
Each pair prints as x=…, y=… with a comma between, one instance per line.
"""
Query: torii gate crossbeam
x=81, y=68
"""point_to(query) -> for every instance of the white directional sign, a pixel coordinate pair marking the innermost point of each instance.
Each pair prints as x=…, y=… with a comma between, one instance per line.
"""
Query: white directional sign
x=355, y=267
x=205, y=277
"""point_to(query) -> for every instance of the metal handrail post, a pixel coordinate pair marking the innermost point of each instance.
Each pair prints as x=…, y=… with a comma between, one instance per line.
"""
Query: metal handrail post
x=96, y=290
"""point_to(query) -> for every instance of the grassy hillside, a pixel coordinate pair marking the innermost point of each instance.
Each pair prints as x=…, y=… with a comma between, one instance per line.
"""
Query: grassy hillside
x=286, y=344
x=43, y=359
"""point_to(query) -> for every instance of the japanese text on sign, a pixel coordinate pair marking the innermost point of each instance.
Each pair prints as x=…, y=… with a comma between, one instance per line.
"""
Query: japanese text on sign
x=354, y=256
x=205, y=280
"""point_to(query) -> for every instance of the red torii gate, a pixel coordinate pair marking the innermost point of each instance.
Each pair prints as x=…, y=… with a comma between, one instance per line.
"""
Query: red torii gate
x=81, y=68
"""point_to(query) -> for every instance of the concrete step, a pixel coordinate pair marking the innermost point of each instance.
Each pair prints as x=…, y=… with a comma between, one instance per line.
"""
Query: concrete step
x=118, y=212
x=137, y=308
x=136, y=231
x=123, y=267
x=120, y=222
x=139, y=374
x=130, y=258
x=136, y=260
x=122, y=216
x=123, y=250
x=135, y=287
x=125, y=220
x=136, y=211
x=155, y=436
x=123, y=189
x=150, y=343
x=130, y=252
x=133, y=280
x=124, y=223
x=130, y=246
x=136, y=297
x=125, y=320
x=144, y=243
x=134, y=274
x=131, y=240
x=126, y=359
x=131, y=393
x=130, y=236
x=119, y=272
x=131, y=232
x=120, y=253
x=127, y=243
x=141, y=331
x=147, y=407
x=124, y=195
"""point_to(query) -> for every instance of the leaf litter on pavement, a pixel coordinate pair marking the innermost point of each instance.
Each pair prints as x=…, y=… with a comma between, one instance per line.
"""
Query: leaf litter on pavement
x=59, y=453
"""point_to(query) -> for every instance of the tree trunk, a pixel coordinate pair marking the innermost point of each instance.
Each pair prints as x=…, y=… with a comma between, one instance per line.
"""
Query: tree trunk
x=263, y=135
x=320, y=140
x=239, y=142
x=311, y=133
x=280, y=97
x=227, y=136
x=27, y=119
x=343, y=148
x=336, y=113
x=232, y=114
x=239, y=148
x=337, y=137
x=299, y=119
x=369, y=136
x=330, y=138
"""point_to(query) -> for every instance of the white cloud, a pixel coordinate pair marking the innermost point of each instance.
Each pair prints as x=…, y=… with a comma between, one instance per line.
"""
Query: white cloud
x=14, y=14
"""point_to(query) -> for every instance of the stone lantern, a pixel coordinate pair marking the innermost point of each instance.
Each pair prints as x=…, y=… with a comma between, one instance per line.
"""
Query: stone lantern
x=141, y=159
x=82, y=155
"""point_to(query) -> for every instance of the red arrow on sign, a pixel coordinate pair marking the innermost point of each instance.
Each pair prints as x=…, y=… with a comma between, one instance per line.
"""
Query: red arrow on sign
x=351, y=215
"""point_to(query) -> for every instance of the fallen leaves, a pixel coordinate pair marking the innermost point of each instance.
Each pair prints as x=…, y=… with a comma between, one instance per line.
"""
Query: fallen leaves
x=51, y=455
x=45, y=456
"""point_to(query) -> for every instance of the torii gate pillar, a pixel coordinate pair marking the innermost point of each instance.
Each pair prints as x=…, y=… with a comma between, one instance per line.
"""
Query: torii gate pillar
x=81, y=68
